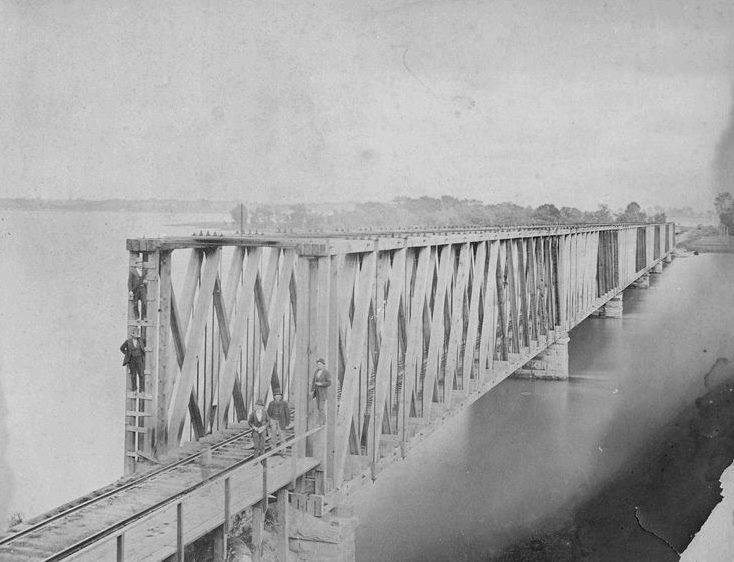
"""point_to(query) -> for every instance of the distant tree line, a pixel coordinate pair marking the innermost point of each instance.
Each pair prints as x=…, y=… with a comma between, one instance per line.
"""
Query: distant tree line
x=116, y=205
x=724, y=204
x=445, y=211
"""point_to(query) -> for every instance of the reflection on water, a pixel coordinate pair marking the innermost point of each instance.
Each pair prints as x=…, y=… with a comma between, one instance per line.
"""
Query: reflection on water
x=63, y=303
x=524, y=456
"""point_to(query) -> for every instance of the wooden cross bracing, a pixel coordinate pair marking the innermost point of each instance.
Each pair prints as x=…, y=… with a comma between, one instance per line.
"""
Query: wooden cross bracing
x=404, y=329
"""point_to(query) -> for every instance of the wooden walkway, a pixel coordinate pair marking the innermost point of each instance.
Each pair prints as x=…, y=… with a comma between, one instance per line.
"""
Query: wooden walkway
x=141, y=514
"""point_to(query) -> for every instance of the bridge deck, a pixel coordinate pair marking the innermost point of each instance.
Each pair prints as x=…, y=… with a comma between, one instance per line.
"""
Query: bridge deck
x=145, y=506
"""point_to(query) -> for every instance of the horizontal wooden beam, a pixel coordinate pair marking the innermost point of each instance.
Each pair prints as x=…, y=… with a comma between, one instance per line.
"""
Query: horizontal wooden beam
x=324, y=244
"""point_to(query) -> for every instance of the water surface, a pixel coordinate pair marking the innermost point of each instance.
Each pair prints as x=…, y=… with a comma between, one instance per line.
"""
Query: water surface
x=63, y=313
x=522, y=459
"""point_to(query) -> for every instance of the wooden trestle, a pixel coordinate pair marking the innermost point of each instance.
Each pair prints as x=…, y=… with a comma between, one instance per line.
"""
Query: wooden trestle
x=403, y=320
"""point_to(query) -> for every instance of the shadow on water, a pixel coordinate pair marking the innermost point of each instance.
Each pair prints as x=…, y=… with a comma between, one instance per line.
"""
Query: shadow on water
x=653, y=508
x=542, y=470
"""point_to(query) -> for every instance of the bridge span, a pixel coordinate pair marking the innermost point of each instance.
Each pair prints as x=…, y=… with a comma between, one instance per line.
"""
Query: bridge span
x=412, y=325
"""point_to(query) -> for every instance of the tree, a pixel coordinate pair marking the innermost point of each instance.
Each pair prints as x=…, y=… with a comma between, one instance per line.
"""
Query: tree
x=632, y=213
x=603, y=215
x=724, y=204
x=240, y=215
x=572, y=215
x=547, y=213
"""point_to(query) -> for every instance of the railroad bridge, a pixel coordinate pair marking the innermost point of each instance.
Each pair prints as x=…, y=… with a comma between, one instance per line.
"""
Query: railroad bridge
x=412, y=324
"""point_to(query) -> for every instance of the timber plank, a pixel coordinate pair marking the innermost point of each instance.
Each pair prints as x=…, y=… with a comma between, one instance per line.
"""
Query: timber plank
x=388, y=350
x=183, y=385
x=437, y=333
x=354, y=355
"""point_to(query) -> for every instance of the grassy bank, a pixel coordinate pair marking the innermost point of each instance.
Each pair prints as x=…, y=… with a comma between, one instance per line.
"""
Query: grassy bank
x=704, y=239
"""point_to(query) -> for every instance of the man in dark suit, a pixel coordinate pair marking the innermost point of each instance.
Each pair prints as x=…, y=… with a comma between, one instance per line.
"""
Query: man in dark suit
x=279, y=413
x=320, y=386
x=137, y=288
x=134, y=358
x=259, y=421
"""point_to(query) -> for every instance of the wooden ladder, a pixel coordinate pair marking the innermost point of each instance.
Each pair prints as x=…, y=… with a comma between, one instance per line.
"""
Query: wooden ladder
x=140, y=407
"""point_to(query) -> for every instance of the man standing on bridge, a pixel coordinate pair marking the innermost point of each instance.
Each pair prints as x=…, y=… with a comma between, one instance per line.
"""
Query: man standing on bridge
x=258, y=421
x=319, y=388
x=280, y=417
x=134, y=358
x=137, y=287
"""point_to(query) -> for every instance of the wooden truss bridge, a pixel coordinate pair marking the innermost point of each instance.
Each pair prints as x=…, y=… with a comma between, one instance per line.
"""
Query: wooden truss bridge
x=410, y=324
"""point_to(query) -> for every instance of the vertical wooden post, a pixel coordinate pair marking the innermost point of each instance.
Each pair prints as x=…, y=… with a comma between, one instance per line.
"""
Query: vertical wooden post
x=227, y=513
x=319, y=336
x=258, y=522
x=332, y=352
x=131, y=402
x=157, y=421
x=301, y=372
x=312, y=349
x=563, y=279
x=283, y=524
x=501, y=289
x=151, y=276
x=512, y=297
x=121, y=547
x=532, y=289
x=488, y=332
x=355, y=352
x=525, y=320
x=219, y=547
x=265, y=483
x=179, y=532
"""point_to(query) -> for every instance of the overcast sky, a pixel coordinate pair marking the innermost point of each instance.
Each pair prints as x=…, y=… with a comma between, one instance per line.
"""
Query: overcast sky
x=575, y=102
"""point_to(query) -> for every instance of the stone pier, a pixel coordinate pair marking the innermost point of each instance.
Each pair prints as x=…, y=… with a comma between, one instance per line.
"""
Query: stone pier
x=657, y=268
x=550, y=364
x=668, y=258
x=612, y=309
x=643, y=282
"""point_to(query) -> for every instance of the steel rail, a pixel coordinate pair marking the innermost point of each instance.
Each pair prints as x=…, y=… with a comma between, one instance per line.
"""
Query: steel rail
x=421, y=229
x=125, y=486
x=111, y=529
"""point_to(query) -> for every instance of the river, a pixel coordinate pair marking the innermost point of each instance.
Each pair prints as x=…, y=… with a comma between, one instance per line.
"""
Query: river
x=533, y=463
x=63, y=312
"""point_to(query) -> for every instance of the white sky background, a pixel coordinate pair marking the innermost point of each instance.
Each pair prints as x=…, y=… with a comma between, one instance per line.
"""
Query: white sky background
x=576, y=103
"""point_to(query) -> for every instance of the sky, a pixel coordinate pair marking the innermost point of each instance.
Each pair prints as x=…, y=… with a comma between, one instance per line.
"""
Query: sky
x=576, y=103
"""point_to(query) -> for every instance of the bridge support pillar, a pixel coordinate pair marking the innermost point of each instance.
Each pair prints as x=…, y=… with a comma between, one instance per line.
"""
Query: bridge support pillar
x=551, y=363
x=643, y=282
x=612, y=309
x=668, y=258
x=657, y=268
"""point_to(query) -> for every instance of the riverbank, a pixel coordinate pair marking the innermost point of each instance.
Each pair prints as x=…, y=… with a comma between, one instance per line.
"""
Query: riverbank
x=705, y=239
x=715, y=540
x=655, y=506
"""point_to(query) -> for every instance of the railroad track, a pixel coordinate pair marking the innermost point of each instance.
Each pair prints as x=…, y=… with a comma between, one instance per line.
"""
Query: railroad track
x=62, y=533
x=407, y=231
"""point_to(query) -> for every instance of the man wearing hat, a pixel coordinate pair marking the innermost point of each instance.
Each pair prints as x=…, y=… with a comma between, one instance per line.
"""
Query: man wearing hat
x=258, y=421
x=134, y=358
x=321, y=383
x=280, y=417
x=137, y=287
